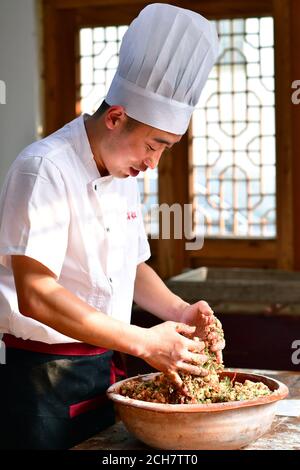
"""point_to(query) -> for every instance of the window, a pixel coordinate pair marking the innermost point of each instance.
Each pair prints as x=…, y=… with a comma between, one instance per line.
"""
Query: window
x=234, y=135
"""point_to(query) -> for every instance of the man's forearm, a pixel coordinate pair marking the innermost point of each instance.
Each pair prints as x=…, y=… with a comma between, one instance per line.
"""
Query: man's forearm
x=151, y=294
x=61, y=310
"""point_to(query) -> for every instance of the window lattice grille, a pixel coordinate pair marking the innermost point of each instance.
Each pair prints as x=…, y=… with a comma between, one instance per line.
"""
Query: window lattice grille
x=233, y=135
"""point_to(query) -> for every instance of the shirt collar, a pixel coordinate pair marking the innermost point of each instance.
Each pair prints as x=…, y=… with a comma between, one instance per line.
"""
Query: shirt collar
x=83, y=149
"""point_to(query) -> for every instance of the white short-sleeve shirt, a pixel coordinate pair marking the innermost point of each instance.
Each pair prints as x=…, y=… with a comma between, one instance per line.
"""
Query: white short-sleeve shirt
x=87, y=229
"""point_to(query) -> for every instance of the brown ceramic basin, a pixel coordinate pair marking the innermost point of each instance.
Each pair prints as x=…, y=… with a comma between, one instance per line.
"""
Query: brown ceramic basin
x=229, y=425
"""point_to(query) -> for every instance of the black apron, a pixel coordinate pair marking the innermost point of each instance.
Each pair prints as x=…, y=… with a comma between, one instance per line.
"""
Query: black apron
x=50, y=400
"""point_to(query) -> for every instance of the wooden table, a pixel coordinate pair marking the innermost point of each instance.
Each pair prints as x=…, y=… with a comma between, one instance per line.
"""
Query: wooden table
x=284, y=433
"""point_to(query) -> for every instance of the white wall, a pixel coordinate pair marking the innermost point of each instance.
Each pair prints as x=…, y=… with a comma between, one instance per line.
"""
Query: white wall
x=19, y=117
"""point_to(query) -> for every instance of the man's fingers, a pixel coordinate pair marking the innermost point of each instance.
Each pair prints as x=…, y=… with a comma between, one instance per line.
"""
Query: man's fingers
x=177, y=382
x=207, y=313
x=208, y=320
x=204, y=308
x=195, y=346
x=174, y=378
x=197, y=359
x=191, y=369
x=184, y=329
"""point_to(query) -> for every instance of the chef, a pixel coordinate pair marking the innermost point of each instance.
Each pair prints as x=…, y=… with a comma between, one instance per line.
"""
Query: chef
x=73, y=245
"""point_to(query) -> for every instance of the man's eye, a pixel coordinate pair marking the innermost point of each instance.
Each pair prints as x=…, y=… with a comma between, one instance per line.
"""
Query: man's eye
x=150, y=148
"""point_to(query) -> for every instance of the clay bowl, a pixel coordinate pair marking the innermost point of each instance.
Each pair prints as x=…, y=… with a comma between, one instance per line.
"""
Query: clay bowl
x=229, y=425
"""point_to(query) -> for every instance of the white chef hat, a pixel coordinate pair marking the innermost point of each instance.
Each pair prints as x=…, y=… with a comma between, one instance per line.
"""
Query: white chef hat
x=165, y=58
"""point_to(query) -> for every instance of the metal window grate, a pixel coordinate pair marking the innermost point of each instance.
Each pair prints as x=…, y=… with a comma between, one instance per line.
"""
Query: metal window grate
x=233, y=135
x=98, y=61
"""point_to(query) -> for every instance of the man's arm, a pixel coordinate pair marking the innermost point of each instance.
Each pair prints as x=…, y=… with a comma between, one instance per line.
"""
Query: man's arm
x=152, y=294
x=42, y=298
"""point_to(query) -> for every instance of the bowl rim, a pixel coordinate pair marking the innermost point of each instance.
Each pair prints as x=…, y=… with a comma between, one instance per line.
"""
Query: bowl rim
x=281, y=391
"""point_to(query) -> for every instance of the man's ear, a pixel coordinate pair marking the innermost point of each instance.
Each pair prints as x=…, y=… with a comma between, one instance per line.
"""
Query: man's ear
x=114, y=117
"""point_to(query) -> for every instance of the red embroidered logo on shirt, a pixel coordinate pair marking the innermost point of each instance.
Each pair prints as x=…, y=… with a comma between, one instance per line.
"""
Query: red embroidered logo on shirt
x=131, y=215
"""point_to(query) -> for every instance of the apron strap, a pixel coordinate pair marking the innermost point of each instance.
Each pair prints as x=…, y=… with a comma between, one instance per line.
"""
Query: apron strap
x=63, y=349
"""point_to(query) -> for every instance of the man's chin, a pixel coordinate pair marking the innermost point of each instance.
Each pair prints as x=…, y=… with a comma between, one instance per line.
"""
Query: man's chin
x=119, y=174
x=125, y=174
x=121, y=177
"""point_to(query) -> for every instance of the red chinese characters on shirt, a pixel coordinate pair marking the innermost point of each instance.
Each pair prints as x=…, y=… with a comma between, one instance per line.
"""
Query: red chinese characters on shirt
x=131, y=215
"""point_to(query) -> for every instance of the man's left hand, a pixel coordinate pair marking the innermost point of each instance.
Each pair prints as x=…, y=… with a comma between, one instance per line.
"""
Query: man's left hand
x=202, y=316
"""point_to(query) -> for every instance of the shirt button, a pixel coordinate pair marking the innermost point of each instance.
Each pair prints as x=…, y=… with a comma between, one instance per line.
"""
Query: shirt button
x=107, y=229
x=95, y=187
x=110, y=280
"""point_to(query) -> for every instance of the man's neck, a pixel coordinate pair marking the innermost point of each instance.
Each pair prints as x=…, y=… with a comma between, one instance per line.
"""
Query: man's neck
x=94, y=135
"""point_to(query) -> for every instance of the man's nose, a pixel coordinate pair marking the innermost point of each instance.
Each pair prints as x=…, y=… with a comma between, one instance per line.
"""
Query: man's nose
x=153, y=161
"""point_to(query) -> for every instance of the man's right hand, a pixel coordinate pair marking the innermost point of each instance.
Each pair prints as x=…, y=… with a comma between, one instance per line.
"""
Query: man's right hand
x=168, y=349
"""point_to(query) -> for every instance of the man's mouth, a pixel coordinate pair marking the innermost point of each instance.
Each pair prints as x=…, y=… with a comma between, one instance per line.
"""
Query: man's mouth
x=133, y=171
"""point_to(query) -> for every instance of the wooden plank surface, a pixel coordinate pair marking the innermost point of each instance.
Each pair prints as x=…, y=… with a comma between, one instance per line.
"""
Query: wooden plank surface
x=284, y=433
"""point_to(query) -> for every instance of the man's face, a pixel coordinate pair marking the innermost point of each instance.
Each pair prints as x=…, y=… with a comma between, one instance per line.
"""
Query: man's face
x=131, y=150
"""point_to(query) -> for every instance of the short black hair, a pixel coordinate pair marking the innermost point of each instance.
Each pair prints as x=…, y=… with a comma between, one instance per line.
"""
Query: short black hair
x=102, y=108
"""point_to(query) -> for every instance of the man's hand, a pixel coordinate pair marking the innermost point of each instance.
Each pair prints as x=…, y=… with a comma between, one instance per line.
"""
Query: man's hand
x=167, y=350
x=202, y=316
